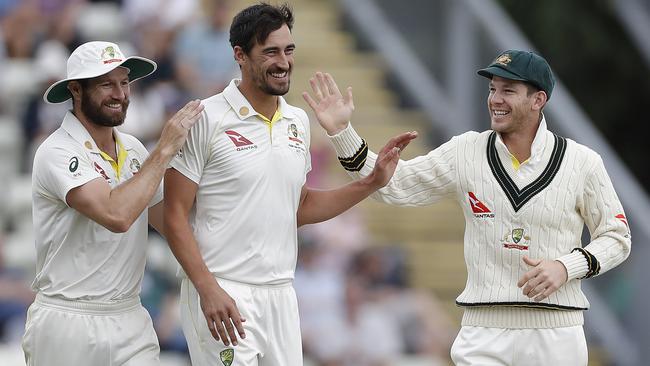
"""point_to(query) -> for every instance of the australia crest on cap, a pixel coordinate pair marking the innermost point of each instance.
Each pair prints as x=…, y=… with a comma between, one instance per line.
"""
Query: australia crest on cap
x=504, y=59
x=110, y=54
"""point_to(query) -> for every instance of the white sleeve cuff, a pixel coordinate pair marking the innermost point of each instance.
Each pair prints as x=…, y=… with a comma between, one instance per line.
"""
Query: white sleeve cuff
x=576, y=265
x=347, y=142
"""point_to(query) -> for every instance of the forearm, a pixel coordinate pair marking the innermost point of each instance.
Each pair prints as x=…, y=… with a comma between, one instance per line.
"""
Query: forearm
x=186, y=250
x=420, y=181
x=127, y=201
x=318, y=206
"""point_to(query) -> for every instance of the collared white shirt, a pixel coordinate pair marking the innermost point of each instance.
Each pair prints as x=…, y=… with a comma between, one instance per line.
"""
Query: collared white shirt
x=250, y=172
x=78, y=258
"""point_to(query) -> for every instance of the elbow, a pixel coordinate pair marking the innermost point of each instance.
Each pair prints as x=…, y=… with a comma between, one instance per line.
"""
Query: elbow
x=118, y=225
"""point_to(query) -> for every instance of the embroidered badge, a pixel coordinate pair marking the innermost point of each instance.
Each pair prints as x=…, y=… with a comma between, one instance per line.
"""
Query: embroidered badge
x=227, y=356
x=516, y=239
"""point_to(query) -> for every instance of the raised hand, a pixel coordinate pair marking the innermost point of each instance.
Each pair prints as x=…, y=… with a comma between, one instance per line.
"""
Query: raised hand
x=388, y=158
x=543, y=279
x=332, y=109
x=222, y=315
x=175, y=131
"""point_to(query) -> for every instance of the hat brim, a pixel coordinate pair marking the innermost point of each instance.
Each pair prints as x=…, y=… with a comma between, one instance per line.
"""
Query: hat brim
x=491, y=71
x=139, y=67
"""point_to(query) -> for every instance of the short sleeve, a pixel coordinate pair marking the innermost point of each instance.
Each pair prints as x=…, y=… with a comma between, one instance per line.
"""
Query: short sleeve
x=58, y=169
x=193, y=156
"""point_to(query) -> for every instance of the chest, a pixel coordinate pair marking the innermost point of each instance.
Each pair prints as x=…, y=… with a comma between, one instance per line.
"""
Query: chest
x=109, y=169
x=248, y=151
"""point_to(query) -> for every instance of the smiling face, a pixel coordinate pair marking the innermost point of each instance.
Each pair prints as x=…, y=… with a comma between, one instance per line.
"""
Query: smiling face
x=513, y=105
x=105, y=99
x=268, y=66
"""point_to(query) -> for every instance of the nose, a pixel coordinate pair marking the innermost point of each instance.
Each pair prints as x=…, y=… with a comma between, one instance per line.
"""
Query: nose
x=495, y=98
x=120, y=92
x=284, y=61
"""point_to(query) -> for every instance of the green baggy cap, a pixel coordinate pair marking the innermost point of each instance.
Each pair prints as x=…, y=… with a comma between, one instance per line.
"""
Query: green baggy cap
x=522, y=66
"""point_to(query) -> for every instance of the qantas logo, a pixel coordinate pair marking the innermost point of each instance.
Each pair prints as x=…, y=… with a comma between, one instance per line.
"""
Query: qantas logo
x=479, y=209
x=241, y=142
x=624, y=220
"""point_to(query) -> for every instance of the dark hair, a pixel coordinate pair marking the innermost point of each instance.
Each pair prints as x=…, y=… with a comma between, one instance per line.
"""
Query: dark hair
x=254, y=24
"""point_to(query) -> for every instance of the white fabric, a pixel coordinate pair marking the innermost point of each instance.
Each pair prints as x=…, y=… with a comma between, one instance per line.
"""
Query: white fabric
x=60, y=332
x=249, y=182
x=272, y=326
x=76, y=257
x=552, y=220
x=478, y=346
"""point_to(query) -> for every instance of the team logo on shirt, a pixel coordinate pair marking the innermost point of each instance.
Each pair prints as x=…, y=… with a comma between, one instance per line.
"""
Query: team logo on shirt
x=241, y=142
x=294, y=136
x=102, y=172
x=227, y=356
x=516, y=239
x=479, y=209
x=134, y=166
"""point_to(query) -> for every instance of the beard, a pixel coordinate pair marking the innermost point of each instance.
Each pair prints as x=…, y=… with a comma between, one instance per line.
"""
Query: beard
x=261, y=80
x=93, y=111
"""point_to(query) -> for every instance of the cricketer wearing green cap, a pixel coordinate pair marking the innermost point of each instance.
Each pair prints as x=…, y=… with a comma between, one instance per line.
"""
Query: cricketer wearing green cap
x=526, y=194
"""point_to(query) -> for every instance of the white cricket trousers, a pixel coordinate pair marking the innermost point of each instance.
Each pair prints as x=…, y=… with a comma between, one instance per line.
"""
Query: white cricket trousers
x=66, y=332
x=272, y=327
x=482, y=346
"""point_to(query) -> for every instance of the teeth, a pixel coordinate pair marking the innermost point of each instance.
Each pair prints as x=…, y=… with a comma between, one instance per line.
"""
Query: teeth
x=279, y=74
x=500, y=113
x=114, y=105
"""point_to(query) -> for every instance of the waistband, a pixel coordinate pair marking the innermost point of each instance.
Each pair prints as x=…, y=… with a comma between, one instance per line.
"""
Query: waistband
x=89, y=307
x=521, y=317
x=284, y=284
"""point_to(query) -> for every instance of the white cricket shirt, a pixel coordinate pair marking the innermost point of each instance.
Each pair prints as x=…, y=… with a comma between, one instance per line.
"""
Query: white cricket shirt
x=250, y=173
x=78, y=258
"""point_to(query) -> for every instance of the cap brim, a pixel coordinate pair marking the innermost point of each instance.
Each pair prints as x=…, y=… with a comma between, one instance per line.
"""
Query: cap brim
x=491, y=71
x=139, y=67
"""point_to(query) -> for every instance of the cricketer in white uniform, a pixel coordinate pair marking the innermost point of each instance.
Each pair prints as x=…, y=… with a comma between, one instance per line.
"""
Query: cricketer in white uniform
x=90, y=218
x=235, y=197
x=524, y=213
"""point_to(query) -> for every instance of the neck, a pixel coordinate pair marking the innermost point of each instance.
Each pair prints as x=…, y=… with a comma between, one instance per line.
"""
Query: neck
x=102, y=135
x=263, y=103
x=520, y=142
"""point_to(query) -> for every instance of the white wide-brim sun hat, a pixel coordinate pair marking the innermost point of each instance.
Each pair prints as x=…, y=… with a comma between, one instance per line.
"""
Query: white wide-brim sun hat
x=94, y=59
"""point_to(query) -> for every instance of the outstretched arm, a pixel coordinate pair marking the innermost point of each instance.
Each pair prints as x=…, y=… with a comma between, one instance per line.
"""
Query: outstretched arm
x=317, y=206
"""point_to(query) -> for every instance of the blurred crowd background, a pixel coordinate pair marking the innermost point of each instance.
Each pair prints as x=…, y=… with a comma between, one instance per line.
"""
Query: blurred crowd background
x=359, y=305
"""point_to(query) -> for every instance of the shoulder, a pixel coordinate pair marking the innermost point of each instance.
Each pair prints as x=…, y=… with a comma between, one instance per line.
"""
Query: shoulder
x=131, y=142
x=59, y=141
x=216, y=110
x=581, y=152
x=299, y=115
x=472, y=137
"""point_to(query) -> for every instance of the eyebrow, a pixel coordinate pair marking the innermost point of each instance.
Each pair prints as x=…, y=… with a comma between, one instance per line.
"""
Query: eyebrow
x=274, y=48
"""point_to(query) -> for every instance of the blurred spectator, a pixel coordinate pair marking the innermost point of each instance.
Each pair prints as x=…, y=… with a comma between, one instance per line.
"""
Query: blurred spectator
x=15, y=298
x=204, y=57
x=40, y=119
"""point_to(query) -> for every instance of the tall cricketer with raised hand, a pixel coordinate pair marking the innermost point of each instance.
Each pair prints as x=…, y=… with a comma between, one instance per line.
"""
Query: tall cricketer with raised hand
x=235, y=197
x=526, y=194
x=94, y=192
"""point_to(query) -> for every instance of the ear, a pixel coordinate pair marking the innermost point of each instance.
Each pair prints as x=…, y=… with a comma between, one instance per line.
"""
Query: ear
x=75, y=89
x=539, y=100
x=240, y=55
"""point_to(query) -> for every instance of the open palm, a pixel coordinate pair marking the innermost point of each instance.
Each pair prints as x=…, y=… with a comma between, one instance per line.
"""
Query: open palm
x=332, y=110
